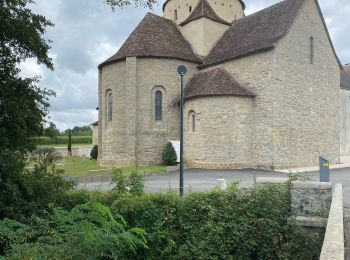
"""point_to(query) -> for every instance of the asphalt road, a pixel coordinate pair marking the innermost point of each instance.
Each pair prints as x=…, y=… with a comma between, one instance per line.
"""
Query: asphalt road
x=204, y=180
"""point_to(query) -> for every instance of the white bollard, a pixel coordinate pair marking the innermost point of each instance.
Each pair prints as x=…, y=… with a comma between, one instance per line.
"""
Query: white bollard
x=221, y=184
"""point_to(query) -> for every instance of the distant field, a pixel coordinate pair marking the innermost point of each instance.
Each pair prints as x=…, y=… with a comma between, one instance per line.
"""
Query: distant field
x=77, y=166
x=63, y=140
x=64, y=145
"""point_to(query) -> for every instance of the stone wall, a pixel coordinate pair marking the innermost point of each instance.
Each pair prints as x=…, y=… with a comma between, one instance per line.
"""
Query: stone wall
x=95, y=135
x=203, y=34
x=344, y=122
x=134, y=137
x=306, y=109
x=76, y=151
x=312, y=199
x=222, y=136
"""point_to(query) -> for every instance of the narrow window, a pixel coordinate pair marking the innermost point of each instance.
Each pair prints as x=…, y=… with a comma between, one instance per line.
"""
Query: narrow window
x=193, y=122
x=190, y=9
x=158, y=105
x=110, y=107
x=312, y=50
x=175, y=15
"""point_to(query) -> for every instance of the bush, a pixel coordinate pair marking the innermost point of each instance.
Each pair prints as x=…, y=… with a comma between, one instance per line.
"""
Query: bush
x=169, y=155
x=132, y=184
x=88, y=231
x=94, y=152
x=234, y=224
x=136, y=184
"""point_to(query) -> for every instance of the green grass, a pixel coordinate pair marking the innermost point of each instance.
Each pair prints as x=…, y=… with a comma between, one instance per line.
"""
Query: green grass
x=150, y=169
x=76, y=166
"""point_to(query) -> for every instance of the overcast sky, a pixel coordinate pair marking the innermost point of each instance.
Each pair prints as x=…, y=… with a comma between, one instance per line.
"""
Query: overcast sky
x=87, y=32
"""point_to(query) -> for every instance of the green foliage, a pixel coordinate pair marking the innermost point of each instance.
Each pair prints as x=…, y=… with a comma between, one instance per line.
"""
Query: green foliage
x=122, y=3
x=121, y=182
x=88, y=231
x=94, y=152
x=51, y=131
x=169, y=155
x=136, y=184
x=132, y=184
x=63, y=139
x=233, y=224
x=79, y=130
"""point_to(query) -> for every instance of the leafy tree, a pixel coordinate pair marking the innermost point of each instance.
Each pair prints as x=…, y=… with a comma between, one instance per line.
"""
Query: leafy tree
x=79, y=130
x=51, y=131
x=23, y=108
x=122, y=3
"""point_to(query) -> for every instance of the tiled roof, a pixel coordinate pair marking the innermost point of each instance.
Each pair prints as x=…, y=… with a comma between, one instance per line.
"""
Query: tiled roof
x=345, y=78
x=256, y=32
x=215, y=82
x=94, y=123
x=155, y=36
x=203, y=9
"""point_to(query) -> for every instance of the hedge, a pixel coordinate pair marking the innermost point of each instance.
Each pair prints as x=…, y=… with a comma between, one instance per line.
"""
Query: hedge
x=236, y=224
x=43, y=140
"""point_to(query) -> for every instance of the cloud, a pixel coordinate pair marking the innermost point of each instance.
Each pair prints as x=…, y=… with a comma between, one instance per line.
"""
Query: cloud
x=88, y=32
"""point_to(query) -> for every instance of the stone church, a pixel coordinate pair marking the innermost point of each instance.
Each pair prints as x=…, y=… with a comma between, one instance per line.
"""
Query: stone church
x=261, y=91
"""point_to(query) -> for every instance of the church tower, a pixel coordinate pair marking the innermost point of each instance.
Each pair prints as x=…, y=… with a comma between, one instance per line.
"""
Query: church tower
x=203, y=22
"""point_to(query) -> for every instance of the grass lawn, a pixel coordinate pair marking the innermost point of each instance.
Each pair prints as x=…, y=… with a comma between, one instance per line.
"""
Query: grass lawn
x=77, y=166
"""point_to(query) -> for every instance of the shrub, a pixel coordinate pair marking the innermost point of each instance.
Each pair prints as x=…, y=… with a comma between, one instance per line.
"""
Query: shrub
x=169, y=155
x=132, y=184
x=88, y=231
x=136, y=184
x=94, y=152
x=63, y=140
x=234, y=224
x=121, y=182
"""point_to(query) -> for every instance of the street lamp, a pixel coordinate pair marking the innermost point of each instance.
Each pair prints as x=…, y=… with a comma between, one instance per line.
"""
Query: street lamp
x=181, y=70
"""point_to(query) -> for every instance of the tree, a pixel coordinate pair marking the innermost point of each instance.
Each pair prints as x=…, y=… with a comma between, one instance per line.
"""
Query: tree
x=69, y=147
x=122, y=3
x=23, y=106
x=51, y=131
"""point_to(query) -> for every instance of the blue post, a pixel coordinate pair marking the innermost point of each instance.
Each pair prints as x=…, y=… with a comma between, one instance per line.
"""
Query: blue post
x=324, y=170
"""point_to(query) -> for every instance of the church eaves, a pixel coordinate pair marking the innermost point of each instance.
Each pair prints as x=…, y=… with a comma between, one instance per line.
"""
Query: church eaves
x=215, y=82
x=155, y=36
x=203, y=9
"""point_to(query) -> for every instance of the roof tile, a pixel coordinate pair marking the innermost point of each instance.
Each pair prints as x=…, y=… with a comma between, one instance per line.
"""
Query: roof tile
x=203, y=9
x=155, y=36
x=215, y=82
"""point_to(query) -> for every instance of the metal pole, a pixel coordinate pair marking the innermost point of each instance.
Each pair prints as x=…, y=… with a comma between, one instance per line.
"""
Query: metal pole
x=181, y=70
x=181, y=138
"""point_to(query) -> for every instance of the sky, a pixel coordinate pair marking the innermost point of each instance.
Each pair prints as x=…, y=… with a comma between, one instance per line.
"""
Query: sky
x=87, y=32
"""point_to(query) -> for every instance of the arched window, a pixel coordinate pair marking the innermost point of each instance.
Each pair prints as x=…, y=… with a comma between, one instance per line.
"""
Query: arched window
x=158, y=105
x=312, y=50
x=175, y=15
x=109, y=106
x=190, y=9
x=192, y=121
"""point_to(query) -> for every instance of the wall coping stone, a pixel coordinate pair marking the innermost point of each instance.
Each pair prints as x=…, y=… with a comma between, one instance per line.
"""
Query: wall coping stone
x=307, y=185
x=273, y=180
x=317, y=222
x=333, y=244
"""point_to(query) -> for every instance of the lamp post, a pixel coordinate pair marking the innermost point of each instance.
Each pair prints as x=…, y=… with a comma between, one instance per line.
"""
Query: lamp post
x=181, y=70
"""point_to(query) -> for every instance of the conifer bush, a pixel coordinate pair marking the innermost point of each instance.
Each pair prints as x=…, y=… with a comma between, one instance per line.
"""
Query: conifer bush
x=169, y=155
x=94, y=152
